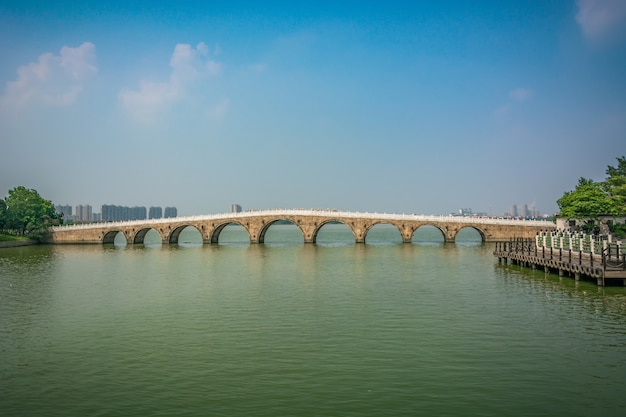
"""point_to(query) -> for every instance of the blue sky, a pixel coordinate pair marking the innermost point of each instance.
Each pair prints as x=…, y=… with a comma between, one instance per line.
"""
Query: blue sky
x=409, y=107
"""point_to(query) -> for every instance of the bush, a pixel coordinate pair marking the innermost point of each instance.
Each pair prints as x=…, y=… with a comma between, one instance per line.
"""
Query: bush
x=618, y=230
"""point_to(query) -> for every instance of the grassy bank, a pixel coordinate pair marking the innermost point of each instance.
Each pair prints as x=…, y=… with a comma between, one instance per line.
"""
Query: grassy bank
x=11, y=238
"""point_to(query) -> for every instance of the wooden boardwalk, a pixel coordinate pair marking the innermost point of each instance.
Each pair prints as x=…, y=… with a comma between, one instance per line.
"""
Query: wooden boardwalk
x=607, y=267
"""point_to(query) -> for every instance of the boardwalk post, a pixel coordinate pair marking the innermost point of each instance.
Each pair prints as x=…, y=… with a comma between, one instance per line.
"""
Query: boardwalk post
x=570, y=256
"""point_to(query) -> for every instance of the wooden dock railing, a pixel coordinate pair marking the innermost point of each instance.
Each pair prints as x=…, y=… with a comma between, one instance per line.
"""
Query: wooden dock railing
x=579, y=256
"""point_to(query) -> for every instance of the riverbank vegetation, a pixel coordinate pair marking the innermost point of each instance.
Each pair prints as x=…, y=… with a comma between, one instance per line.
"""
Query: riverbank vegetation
x=591, y=199
x=24, y=214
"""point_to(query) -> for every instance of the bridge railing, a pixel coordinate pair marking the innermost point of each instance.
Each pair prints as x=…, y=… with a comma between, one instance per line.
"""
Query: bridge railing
x=311, y=212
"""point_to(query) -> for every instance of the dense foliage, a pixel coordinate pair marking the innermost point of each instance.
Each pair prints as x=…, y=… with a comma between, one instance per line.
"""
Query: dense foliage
x=591, y=199
x=25, y=213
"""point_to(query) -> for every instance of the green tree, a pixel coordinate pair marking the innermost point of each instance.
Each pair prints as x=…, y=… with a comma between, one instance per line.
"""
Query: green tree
x=27, y=213
x=589, y=199
x=3, y=210
x=616, y=185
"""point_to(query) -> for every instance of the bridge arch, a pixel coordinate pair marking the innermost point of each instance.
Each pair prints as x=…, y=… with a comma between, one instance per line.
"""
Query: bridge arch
x=381, y=223
x=428, y=233
x=174, y=234
x=317, y=226
x=463, y=229
x=217, y=230
x=108, y=238
x=267, y=224
x=141, y=235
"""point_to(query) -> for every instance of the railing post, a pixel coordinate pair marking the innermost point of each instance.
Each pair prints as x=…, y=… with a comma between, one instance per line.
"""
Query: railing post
x=570, y=256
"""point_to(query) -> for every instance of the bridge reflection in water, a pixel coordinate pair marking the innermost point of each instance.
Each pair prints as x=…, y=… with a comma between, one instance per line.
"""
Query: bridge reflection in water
x=310, y=224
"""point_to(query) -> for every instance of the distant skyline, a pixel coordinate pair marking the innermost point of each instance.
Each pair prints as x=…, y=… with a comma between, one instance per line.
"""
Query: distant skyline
x=409, y=107
x=514, y=210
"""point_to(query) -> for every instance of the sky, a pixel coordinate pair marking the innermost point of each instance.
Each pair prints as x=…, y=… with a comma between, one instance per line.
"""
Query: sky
x=419, y=107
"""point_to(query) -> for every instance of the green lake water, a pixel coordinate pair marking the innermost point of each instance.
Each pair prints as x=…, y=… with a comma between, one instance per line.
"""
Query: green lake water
x=292, y=329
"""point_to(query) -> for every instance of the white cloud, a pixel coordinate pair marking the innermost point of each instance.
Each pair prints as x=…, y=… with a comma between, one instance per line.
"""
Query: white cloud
x=598, y=18
x=54, y=80
x=521, y=94
x=188, y=66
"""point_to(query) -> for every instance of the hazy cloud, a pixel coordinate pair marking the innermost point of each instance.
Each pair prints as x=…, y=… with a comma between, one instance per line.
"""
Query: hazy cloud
x=220, y=110
x=258, y=67
x=521, y=94
x=518, y=95
x=598, y=18
x=188, y=66
x=54, y=80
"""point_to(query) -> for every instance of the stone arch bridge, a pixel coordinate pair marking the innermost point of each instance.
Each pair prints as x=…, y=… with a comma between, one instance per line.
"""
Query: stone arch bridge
x=257, y=223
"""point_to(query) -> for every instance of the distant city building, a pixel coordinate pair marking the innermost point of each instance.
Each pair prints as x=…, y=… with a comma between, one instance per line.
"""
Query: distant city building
x=525, y=213
x=155, y=213
x=468, y=212
x=170, y=212
x=111, y=213
x=66, y=210
x=235, y=208
x=83, y=213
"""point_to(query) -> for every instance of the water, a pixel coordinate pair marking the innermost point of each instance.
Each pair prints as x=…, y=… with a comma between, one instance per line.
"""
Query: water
x=287, y=329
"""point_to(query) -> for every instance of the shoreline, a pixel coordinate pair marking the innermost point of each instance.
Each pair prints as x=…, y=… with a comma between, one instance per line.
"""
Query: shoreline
x=18, y=243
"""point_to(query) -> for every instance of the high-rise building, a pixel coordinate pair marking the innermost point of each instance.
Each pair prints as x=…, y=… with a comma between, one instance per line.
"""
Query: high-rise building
x=66, y=210
x=138, y=213
x=514, y=210
x=170, y=212
x=83, y=213
x=112, y=213
x=155, y=213
x=525, y=213
x=235, y=208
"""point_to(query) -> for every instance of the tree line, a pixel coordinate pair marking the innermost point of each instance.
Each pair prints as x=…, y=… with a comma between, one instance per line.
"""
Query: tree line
x=25, y=213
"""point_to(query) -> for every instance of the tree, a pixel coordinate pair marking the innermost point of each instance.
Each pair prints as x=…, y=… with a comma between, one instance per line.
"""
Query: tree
x=589, y=199
x=27, y=213
x=616, y=184
x=3, y=210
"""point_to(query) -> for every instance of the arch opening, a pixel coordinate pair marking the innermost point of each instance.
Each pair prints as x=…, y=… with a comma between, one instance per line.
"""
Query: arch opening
x=334, y=233
x=281, y=233
x=469, y=236
x=383, y=234
x=115, y=238
x=231, y=234
x=149, y=237
x=186, y=236
x=428, y=235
